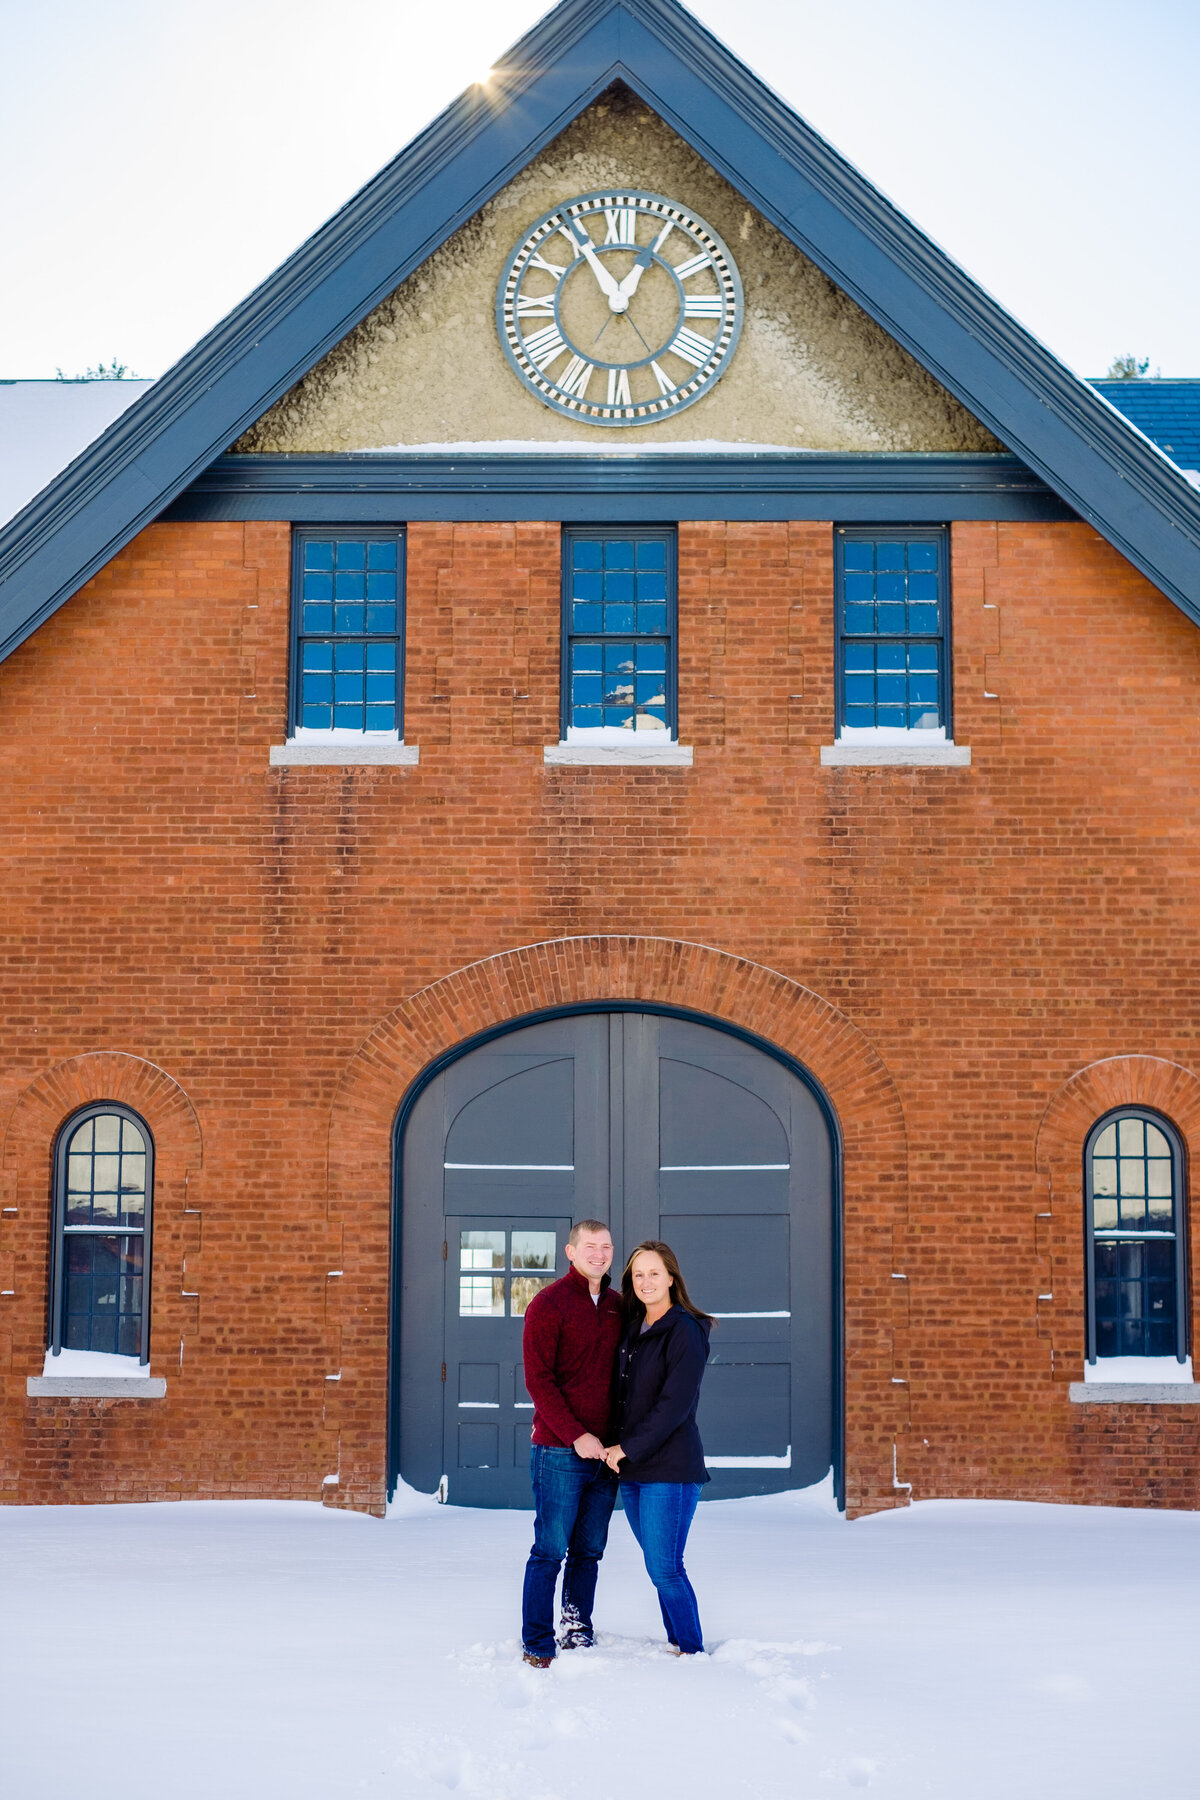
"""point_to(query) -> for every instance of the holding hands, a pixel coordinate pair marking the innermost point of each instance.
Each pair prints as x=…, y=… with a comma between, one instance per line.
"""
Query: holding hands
x=613, y=1456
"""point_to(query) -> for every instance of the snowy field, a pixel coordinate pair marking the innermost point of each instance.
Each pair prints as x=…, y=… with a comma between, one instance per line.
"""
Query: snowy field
x=261, y=1651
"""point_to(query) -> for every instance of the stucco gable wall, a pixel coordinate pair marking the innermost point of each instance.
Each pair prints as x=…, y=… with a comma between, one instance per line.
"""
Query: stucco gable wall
x=812, y=370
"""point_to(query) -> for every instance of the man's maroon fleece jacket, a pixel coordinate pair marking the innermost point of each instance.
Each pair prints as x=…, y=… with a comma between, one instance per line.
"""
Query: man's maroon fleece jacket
x=570, y=1348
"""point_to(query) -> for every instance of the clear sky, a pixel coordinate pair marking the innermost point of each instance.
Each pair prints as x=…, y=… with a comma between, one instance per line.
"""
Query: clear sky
x=160, y=157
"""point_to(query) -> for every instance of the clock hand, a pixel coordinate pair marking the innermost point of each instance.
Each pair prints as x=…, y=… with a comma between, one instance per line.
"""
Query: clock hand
x=628, y=287
x=607, y=283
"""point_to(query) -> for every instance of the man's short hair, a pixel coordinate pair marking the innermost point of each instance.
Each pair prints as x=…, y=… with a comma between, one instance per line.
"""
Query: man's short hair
x=582, y=1225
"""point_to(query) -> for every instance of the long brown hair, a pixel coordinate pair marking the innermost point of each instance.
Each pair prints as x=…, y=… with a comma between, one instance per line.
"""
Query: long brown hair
x=679, y=1294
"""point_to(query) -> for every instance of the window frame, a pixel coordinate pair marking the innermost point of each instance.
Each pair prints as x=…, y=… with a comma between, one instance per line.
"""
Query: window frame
x=939, y=534
x=94, y=1110
x=1147, y=1115
x=666, y=534
x=302, y=535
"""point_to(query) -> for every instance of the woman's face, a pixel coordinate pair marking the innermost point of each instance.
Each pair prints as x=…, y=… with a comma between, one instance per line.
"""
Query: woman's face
x=651, y=1282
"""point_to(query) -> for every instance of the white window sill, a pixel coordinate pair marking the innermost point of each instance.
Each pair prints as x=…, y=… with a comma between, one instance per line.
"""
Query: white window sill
x=896, y=756
x=362, y=754
x=1135, y=1393
x=97, y=1387
x=636, y=754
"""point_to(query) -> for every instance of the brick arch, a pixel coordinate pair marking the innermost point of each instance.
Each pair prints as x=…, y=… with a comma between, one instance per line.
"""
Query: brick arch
x=26, y=1169
x=656, y=971
x=1150, y=1081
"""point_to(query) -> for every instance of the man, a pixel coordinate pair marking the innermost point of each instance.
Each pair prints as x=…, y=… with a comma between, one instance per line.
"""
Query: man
x=570, y=1347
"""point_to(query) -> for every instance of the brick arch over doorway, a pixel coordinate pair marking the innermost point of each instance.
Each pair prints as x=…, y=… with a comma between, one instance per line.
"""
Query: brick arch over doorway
x=576, y=972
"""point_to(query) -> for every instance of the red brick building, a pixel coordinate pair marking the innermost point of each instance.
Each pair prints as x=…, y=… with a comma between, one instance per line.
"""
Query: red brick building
x=447, y=792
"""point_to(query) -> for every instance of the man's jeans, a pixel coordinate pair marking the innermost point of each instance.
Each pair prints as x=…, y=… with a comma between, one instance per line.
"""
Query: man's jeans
x=660, y=1514
x=574, y=1497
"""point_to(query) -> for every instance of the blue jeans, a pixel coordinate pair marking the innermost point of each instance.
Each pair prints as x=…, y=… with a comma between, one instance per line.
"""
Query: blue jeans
x=574, y=1498
x=660, y=1514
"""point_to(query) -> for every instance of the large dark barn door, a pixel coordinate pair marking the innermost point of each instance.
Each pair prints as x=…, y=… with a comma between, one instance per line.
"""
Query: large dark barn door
x=666, y=1128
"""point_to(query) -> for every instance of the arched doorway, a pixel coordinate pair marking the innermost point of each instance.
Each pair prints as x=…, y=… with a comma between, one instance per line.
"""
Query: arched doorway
x=667, y=1126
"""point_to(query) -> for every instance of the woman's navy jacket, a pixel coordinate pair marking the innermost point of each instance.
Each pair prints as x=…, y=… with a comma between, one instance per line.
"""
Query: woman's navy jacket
x=658, y=1385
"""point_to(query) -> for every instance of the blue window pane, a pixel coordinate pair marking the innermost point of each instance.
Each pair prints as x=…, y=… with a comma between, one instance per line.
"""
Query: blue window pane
x=588, y=616
x=588, y=586
x=922, y=556
x=860, y=691
x=318, y=618
x=860, y=618
x=587, y=716
x=859, y=588
x=381, y=618
x=652, y=657
x=858, y=555
x=922, y=587
x=892, y=690
x=318, y=656
x=860, y=656
x=652, y=618
x=381, y=688
x=351, y=585
x=348, y=656
x=350, y=618
x=381, y=555
x=859, y=716
x=588, y=656
x=889, y=587
x=923, y=656
x=890, y=618
x=348, y=687
x=618, y=618
x=889, y=556
x=316, y=688
x=618, y=588
x=652, y=555
x=923, y=690
x=890, y=656
x=348, y=718
x=652, y=586
x=318, y=587
x=318, y=554
x=923, y=618
x=382, y=586
x=316, y=718
x=619, y=553
x=381, y=656
x=587, y=690
x=351, y=554
x=381, y=718
x=587, y=553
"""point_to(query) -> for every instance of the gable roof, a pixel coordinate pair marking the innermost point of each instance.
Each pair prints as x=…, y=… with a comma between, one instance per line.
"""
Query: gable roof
x=1167, y=412
x=1063, y=429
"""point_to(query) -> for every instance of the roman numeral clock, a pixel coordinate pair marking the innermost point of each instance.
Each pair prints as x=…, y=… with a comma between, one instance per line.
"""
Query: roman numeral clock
x=619, y=309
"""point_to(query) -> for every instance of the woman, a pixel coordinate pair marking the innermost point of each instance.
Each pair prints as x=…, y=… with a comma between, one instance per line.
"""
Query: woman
x=660, y=1460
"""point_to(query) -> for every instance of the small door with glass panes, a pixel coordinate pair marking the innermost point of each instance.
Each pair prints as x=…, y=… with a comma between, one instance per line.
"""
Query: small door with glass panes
x=494, y=1267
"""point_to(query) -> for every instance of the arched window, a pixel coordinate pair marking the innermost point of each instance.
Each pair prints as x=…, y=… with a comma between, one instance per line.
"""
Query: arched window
x=103, y=1183
x=1135, y=1221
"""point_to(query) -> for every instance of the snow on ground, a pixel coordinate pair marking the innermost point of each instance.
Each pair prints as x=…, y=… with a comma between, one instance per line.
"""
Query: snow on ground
x=264, y=1651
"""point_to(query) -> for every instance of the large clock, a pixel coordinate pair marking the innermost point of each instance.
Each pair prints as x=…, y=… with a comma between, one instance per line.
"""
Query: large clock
x=620, y=309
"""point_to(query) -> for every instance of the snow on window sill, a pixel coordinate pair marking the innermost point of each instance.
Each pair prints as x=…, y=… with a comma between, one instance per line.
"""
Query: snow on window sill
x=365, y=749
x=1136, y=1381
x=888, y=747
x=93, y=1375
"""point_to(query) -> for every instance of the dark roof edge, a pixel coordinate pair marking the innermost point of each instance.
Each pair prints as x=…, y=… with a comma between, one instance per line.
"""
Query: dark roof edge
x=1080, y=445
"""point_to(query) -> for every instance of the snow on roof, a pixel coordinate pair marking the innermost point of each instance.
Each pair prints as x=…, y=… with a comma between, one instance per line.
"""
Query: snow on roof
x=44, y=425
x=1167, y=411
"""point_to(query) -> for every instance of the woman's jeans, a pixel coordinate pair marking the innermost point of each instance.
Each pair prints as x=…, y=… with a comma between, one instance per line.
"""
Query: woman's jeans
x=574, y=1497
x=660, y=1514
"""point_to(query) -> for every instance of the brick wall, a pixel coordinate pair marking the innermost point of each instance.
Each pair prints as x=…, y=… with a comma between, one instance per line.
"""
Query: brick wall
x=263, y=957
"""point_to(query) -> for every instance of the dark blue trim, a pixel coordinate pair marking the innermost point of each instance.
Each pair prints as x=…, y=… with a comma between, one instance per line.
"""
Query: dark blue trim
x=575, y=1010
x=637, y=489
x=1082, y=447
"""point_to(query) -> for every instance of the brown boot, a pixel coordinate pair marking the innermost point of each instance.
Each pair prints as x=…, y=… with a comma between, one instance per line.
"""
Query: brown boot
x=537, y=1662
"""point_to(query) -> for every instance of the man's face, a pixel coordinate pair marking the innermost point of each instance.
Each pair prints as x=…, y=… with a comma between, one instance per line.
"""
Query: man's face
x=592, y=1255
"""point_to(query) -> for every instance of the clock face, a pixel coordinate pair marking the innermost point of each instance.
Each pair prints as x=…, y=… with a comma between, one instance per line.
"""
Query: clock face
x=620, y=309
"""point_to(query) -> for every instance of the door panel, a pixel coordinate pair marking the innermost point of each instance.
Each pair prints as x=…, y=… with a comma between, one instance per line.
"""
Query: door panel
x=669, y=1129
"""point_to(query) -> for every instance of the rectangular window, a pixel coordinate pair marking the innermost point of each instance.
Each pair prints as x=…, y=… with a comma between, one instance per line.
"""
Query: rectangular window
x=892, y=632
x=348, y=633
x=618, y=634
